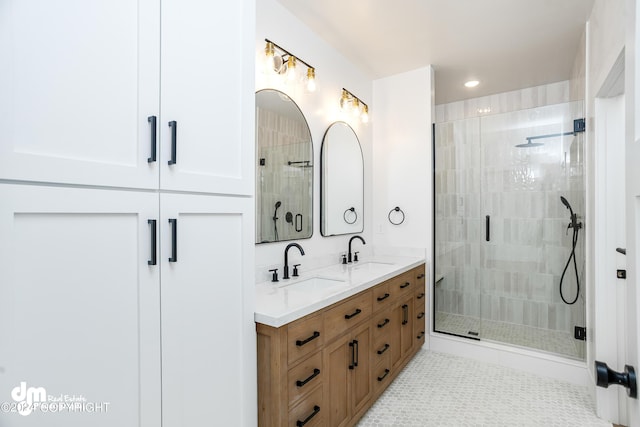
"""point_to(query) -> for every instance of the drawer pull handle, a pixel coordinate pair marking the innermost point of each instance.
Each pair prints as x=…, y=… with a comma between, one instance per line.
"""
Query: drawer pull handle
x=405, y=314
x=384, y=297
x=174, y=141
x=316, y=372
x=420, y=295
x=354, y=314
x=153, y=125
x=386, y=372
x=383, y=349
x=420, y=335
x=154, y=242
x=315, y=335
x=421, y=276
x=405, y=285
x=383, y=324
x=421, y=315
x=353, y=355
x=173, y=222
x=316, y=409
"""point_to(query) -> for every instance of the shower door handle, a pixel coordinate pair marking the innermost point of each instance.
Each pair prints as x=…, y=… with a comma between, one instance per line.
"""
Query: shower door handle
x=488, y=228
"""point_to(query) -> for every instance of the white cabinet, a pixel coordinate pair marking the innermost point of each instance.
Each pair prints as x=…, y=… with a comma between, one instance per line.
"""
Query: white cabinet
x=82, y=311
x=203, y=317
x=207, y=89
x=78, y=81
x=79, y=306
x=81, y=80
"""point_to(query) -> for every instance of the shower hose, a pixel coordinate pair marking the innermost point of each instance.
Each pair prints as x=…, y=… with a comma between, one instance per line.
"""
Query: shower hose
x=576, y=230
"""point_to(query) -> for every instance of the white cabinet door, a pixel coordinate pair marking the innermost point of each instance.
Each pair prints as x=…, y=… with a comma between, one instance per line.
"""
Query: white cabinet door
x=206, y=325
x=79, y=306
x=78, y=81
x=207, y=96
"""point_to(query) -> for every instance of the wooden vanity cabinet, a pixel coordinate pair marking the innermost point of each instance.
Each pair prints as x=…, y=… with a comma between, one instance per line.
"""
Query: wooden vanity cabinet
x=329, y=367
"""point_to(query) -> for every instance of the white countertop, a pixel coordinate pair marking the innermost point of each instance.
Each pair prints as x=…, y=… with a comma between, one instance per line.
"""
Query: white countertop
x=287, y=300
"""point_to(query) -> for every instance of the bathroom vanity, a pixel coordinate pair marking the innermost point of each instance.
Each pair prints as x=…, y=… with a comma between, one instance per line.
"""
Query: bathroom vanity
x=330, y=343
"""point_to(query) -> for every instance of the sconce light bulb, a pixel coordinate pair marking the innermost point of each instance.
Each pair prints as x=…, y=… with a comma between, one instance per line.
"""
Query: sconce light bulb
x=268, y=55
x=311, y=79
x=291, y=68
x=365, y=113
x=344, y=100
x=356, y=107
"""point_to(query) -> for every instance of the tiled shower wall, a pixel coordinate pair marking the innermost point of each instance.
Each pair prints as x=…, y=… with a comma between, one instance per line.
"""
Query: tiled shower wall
x=514, y=277
x=283, y=140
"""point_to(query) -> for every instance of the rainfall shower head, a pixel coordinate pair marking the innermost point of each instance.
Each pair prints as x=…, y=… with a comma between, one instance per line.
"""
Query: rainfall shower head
x=529, y=144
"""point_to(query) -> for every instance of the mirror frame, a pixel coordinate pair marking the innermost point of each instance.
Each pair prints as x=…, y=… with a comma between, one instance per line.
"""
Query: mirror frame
x=322, y=180
x=311, y=183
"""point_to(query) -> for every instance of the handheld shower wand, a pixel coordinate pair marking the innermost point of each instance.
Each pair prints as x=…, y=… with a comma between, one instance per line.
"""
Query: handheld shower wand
x=576, y=226
x=275, y=219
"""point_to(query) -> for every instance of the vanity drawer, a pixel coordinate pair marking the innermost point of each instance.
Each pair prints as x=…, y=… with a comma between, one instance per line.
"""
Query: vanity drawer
x=382, y=296
x=309, y=411
x=403, y=284
x=420, y=276
x=304, y=377
x=380, y=351
x=304, y=336
x=381, y=374
x=347, y=314
x=381, y=324
x=420, y=296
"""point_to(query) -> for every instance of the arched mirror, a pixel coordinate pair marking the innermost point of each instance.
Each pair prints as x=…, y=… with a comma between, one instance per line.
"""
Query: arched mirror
x=341, y=182
x=284, y=174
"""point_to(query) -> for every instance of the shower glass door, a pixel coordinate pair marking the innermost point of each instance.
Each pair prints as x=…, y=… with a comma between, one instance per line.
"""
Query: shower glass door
x=502, y=241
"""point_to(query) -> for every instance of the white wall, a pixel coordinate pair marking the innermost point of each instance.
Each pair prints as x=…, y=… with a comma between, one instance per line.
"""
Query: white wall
x=402, y=161
x=333, y=72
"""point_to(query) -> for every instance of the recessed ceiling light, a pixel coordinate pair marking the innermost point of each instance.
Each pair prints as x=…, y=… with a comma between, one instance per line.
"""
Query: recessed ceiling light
x=472, y=83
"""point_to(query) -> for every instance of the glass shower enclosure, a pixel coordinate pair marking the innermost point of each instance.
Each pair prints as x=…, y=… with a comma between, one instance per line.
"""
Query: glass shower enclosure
x=503, y=232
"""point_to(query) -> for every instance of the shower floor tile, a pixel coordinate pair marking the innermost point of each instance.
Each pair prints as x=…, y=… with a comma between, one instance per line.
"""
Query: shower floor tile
x=444, y=390
x=557, y=342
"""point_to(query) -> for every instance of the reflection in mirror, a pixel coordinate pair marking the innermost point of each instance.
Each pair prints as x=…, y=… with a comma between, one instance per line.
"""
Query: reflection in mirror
x=284, y=175
x=341, y=182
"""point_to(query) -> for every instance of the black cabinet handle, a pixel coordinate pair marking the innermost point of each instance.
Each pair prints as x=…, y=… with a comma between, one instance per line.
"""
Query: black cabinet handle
x=487, y=228
x=316, y=409
x=386, y=372
x=356, y=349
x=316, y=372
x=405, y=285
x=154, y=135
x=355, y=313
x=383, y=349
x=421, y=315
x=420, y=295
x=154, y=242
x=174, y=141
x=384, y=297
x=420, y=276
x=352, y=364
x=383, y=324
x=315, y=335
x=174, y=240
x=405, y=314
x=420, y=335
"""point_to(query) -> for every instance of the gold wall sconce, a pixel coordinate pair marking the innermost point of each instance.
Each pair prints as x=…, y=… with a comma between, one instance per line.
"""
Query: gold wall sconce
x=283, y=62
x=350, y=102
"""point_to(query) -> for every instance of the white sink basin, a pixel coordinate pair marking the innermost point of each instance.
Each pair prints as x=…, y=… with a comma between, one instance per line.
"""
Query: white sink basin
x=314, y=283
x=371, y=266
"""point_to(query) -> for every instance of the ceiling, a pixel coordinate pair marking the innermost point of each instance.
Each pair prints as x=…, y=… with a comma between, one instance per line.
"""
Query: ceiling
x=505, y=44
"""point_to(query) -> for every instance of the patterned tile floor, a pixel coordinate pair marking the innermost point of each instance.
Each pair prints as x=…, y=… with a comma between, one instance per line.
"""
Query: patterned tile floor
x=558, y=342
x=443, y=390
